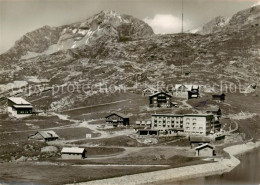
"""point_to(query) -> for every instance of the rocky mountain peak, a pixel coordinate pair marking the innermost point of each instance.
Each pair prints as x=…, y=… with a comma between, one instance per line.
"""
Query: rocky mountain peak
x=104, y=26
x=247, y=18
x=214, y=25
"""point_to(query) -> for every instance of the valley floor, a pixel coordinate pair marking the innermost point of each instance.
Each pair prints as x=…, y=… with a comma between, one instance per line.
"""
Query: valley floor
x=114, y=152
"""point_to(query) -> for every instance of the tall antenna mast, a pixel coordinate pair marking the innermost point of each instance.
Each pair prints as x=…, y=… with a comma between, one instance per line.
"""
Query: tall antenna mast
x=182, y=35
x=182, y=16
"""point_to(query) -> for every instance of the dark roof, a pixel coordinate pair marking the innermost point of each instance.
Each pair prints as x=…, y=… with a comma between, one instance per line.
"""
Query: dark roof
x=217, y=95
x=148, y=130
x=213, y=109
x=48, y=134
x=160, y=93
x=196, y=139
x=169, y=115
x=118, y=114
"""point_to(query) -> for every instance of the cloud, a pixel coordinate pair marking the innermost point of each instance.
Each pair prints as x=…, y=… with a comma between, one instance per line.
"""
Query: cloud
x=256, y=4
x=164, y=23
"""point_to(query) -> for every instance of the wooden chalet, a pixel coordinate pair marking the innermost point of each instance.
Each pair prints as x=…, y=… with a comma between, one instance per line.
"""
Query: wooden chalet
x=160, y=99
x=117, y=119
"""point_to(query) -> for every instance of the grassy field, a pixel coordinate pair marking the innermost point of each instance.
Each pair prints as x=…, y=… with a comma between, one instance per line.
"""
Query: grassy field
x=55, y=175
x=173, y=151
x=114, y=141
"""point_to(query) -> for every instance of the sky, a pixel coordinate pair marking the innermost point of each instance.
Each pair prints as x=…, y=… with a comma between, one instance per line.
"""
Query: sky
x=18, y=17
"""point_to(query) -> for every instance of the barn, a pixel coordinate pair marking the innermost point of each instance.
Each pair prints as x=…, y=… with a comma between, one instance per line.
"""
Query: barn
x=49, y=135
x=73, y=153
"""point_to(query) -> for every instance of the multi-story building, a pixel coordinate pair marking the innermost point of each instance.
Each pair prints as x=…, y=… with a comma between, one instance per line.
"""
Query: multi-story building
x=199, y=124
x=189, y=124
x=168, y=123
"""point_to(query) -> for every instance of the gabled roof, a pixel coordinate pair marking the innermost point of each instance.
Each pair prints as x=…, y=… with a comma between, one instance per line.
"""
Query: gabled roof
x=198, y=115
x=19, y=101
x=206, y=145
x=160, y=93
x=118, y=114
x=169, y=115
x=150, y=88
x=198, y=139
x=217, y=95
x=48, y=134
x=73, y=150
x=189, y=87
x=212, y=109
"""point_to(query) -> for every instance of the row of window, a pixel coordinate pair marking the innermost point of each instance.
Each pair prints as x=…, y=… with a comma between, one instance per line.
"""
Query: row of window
x=155, y=121
x=187, y=123
x=169, y=126
x=168, y=118
x=194, y=132
x=200, y=128
x=24, y=112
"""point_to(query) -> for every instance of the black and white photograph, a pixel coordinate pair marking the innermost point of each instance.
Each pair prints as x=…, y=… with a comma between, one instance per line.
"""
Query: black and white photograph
x=129, y=92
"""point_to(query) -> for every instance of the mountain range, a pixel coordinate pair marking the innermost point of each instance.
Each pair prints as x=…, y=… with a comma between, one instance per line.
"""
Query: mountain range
x=109, y=48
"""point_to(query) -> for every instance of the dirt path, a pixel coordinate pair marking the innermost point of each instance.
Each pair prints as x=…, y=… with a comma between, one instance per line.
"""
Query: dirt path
x=91, y=106
x=184, y=102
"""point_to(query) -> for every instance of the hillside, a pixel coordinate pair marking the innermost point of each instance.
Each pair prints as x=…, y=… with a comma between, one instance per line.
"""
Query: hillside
x=109, y=48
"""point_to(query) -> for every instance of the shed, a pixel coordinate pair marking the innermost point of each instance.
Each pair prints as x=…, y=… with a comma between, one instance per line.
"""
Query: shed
x=198, y=140
x=205, y=150
x=214, y=110
x=73, y=153
x=148, y=132
x=220, y=97
x=49, y=135
x=19, y=107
